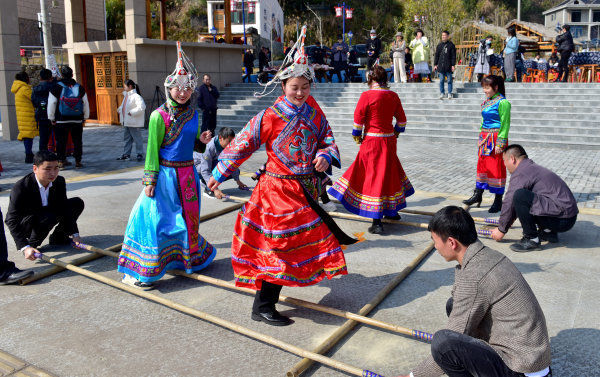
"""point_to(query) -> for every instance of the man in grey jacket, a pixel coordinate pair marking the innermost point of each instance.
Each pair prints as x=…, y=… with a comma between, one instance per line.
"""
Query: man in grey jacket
x=496, y=327
x=206, y=162
x=540, y=199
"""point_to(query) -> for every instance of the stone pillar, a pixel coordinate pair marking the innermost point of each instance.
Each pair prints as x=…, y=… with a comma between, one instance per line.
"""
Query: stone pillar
x=75, y=30
x=135, y=27
x=10, y=64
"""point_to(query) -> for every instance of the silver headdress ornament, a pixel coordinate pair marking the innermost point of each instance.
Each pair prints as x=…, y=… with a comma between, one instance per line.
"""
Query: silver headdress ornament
x=184, y=75
x=295, y=64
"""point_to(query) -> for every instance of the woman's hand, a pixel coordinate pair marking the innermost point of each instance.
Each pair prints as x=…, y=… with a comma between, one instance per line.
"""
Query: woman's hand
x=149, y=190
x=498, y=150
x=321, y=164
x=212, y=184
x=205, y=137
x=357, y=139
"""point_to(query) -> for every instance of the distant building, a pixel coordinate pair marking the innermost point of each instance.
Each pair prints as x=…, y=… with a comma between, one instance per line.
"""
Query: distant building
x=582, y=15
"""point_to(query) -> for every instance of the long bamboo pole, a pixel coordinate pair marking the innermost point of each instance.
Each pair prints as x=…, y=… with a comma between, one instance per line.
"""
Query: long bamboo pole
x=213, y=319
x=282, y=298
x=76, y=262
x=485, y=220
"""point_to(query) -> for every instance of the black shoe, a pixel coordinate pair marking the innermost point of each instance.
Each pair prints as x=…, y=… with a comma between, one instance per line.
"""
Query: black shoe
x=124, y=157
x=525, y=245
x=395, y=217
x=551, y=237
x=59, y=239
x=476, y=198
x=376, y=229
x=139, y=157
x=272, y=318
x=497, y=205
x=16, y=276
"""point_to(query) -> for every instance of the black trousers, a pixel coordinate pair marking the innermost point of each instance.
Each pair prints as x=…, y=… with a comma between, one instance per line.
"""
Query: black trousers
x=38, y=226
x=522, y=202
x=266, y=298
x=209, y=120
x=563, y=66
x=249, y=70
x=44, y=128
x=461, y=355
x=6, y=267
x=370, y=62
x=338, y=67
x=61, y=131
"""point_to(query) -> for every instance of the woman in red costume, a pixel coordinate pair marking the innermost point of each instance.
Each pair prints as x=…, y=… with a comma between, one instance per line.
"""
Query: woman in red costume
x=375, y=185
x=282, y=236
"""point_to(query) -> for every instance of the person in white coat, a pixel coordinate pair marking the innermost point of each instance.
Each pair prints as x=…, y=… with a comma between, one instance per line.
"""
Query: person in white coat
x=131, y=113
x=398, y=51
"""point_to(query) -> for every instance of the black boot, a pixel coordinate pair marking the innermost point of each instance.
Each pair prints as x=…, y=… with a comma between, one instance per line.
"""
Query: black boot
x=476, y=198
x=377, y=227
x=497, y=205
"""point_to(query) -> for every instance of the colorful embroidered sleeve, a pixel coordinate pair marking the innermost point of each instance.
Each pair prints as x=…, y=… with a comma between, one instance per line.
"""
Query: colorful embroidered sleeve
x=504, y=111
x=360, y=115
x=156, y=134
x=327, y=148
x=239, y=150
x=400, y=118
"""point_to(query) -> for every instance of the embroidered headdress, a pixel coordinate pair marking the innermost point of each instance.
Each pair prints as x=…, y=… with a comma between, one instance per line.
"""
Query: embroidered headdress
x=295, y=64
x=184, y=76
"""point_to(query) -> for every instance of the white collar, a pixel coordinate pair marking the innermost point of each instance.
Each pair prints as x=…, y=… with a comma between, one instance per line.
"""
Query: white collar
x=42, y=186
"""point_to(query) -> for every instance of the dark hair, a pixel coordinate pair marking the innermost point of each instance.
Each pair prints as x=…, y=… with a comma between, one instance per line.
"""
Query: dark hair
x=130, y=82
x=66, y=72
x=566, y=27
x=45, y=74
x=511, y=31
x=420, y=30
x=516, y=150
x=42, y=156
x=455, y=222
x=495, y=82
x=206, y=74
x=446, y=32
x=489, y=36
x=226, y=133
x=379, y=75
x=22, y=76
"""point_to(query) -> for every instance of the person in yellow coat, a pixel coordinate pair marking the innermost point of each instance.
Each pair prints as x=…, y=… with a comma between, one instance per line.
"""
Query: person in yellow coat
x=25, y=113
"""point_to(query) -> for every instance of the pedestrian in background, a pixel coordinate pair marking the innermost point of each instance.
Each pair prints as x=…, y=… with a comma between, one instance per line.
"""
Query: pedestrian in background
x=131, y=112
x=248, y=65
x=373, y=49
x=444, y=62
x=510, y=54
x=208, y=95
x=25, y=113
x=339, y=59
x=420, y=55
x=39, y=98
x=566, y=48
x=398, y=55
x=482, y=65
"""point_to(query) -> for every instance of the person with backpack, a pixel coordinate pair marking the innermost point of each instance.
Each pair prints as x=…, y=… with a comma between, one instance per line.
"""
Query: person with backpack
x=68, y=108
x=131, y=112
x=25, y=113
x=39, y=98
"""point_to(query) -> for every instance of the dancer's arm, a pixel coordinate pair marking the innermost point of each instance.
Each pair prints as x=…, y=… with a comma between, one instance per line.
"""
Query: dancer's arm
x=156, y=134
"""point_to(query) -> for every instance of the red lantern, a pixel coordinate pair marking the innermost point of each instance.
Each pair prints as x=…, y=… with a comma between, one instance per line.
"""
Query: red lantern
x=22, y=52
x=251, y=7
x=338, y=11
x=349, y=13
x=233, y=6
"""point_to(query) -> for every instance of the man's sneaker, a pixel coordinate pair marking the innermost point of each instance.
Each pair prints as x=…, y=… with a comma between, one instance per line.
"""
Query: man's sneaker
x=139, y=157
x=525, y=245
x=207, y=193
x=130, y=280
x=450, y=95
x=329, y=206
x=549, y=236
x=16, y=276
x=124, y=157
x=442, y=95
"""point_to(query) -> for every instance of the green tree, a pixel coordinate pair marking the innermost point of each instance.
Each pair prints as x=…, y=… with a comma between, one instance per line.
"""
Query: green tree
x=115, y=19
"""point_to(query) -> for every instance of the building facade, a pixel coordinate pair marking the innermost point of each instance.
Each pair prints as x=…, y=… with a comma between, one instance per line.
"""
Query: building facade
x=583, y=16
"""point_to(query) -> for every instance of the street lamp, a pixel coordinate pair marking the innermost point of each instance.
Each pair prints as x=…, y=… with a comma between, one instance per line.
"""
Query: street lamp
x=350, y=35
x=213, y=31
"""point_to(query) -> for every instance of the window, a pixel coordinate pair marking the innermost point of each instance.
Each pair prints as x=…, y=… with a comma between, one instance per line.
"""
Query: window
x=236, y=17
x=575, y=16
x=596, y=16
x=577, y=31
x=553, y=17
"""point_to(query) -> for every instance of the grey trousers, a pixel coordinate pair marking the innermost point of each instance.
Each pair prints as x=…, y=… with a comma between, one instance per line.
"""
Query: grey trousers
x=129, y=135
x=509, y=65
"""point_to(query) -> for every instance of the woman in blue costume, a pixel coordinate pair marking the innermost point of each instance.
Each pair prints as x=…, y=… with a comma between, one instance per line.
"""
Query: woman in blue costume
x=162, y=232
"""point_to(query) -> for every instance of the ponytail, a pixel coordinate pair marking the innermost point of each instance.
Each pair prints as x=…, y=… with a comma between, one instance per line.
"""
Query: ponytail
x=130, y=82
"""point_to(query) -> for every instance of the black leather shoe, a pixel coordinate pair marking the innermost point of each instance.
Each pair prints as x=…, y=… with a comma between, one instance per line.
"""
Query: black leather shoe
x=376, y=229
x=525, y=245
x=16, y=276
x=272, y=318
x=551, y=237
x=59, y=239
x=395, y=217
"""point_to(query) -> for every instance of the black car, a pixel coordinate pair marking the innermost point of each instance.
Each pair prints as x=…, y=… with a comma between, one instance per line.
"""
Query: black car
x=309, y=51
x=361, y=51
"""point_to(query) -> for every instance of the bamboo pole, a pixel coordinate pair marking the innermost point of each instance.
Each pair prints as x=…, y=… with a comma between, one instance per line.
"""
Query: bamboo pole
x=220, y=212
x=485, y=220
x=76, y=262
x=290, y=300
x=212, y=319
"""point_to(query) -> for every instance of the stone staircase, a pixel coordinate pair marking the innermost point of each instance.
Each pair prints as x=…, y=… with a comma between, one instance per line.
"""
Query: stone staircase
x=544, y=114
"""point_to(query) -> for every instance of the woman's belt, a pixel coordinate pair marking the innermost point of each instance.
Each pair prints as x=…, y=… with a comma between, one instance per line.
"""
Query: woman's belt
x=377, y=134
x=490, y=130
x=175, y=164
x=290, y=176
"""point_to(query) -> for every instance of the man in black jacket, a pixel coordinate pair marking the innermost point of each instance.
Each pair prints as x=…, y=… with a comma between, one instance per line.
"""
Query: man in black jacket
x=39, y=98
x=444, y=62
x=566, y=48
x=38, y=203
x=207, y=102
x=373, y=49
x=248, y=65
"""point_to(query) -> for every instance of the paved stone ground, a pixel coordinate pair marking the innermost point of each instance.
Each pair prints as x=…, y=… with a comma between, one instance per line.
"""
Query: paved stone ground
x=70, y=325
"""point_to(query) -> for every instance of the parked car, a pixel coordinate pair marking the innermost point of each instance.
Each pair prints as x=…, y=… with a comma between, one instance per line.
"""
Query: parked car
x=309, y=49
x=361, y=51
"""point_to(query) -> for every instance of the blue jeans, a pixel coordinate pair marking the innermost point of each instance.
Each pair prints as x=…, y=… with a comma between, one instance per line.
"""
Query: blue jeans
x=28, y=144
x=448, y=76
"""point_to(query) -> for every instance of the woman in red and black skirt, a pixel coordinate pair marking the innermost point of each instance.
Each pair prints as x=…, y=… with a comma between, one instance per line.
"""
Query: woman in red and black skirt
x=375, y=185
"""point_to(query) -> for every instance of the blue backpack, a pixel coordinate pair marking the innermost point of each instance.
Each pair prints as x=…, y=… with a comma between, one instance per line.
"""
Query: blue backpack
x=70, y=103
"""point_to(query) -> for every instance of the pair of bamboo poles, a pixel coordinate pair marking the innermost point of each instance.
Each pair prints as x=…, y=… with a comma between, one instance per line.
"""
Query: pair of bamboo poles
x=309, y=357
